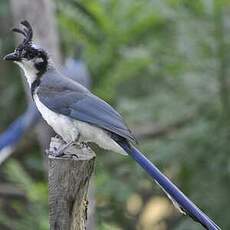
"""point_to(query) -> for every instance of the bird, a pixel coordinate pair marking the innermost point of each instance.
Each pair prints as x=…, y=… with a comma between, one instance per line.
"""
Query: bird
x=74, y=68
x=78, y=116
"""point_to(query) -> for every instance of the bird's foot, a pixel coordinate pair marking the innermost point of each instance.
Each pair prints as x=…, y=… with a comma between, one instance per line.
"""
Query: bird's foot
x=52, y=152
x=74, y=149
x=84, y=145
x=58, y=152
x=86, y=152
x=79, y=155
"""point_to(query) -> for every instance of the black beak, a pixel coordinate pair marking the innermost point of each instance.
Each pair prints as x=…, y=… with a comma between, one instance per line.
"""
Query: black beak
x=12, y=57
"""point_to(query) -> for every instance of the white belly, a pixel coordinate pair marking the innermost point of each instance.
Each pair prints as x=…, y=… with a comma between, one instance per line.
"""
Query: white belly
x=69, y=129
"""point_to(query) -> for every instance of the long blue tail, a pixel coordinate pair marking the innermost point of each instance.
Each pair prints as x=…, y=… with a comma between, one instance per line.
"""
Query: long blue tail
x=178, y=198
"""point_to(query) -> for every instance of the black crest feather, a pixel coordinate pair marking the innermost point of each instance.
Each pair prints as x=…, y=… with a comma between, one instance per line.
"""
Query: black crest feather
x=27, y=32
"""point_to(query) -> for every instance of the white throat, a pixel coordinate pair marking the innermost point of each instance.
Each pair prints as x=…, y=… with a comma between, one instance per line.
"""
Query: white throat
x=29, y=70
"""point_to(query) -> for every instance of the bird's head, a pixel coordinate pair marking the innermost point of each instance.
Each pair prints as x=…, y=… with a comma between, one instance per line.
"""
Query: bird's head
x=33, y=60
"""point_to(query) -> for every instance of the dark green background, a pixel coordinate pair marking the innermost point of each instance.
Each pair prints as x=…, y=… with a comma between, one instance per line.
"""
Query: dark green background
x=158, y=63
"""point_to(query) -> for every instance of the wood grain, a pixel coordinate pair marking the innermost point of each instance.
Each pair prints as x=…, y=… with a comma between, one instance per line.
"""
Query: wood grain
x=68, y=187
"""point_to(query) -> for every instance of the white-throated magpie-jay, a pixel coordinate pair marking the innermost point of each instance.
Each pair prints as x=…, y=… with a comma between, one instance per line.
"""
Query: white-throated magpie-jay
x=79, y=116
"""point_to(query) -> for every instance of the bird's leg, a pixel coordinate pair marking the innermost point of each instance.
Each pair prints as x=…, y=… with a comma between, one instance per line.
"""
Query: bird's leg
x=60, y=151
x=83, y=153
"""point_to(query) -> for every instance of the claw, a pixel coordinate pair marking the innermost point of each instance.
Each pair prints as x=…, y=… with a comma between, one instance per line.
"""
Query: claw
x=60, y=151
x=54, y=153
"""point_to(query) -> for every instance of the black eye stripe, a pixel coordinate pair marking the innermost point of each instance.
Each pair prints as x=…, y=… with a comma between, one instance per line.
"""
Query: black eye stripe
x=29, y=52
x=29, y=55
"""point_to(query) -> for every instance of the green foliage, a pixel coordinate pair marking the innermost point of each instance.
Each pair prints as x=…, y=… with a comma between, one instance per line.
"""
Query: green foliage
x=32, y=214
x=11, y=84
x=158, y=62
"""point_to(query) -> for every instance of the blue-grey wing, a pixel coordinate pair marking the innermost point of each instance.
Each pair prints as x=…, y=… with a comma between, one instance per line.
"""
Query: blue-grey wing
x=95, y=111
x=80, y=104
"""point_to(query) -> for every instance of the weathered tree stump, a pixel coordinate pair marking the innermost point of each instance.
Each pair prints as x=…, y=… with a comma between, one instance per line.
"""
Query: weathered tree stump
x=68, y=179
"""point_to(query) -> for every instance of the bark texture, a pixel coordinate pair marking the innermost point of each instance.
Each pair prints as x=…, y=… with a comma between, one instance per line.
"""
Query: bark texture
x=68, y=187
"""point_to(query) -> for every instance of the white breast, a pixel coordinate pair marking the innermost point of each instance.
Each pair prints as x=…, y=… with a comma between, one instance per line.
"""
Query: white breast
x=69, y=129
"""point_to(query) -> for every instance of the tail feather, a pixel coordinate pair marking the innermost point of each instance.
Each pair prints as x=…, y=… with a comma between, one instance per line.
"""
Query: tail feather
x=177, y=197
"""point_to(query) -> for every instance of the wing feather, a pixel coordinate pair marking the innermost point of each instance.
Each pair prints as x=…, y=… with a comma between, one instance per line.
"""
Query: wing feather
x=78, y=103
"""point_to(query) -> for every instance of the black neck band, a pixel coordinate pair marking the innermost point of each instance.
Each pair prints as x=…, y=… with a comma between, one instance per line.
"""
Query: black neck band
x=34, y=85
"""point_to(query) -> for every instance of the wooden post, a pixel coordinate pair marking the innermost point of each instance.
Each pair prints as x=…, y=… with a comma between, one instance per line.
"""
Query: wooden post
x=68, y=179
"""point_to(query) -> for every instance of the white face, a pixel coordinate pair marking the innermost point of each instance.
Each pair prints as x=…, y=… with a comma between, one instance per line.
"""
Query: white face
x=29, y=70
x=28, y=66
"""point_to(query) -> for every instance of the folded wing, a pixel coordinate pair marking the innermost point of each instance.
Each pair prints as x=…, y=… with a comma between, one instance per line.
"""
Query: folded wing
x=82, y=105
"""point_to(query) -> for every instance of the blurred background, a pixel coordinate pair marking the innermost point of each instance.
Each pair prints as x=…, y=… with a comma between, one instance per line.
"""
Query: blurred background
x=164, y=64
